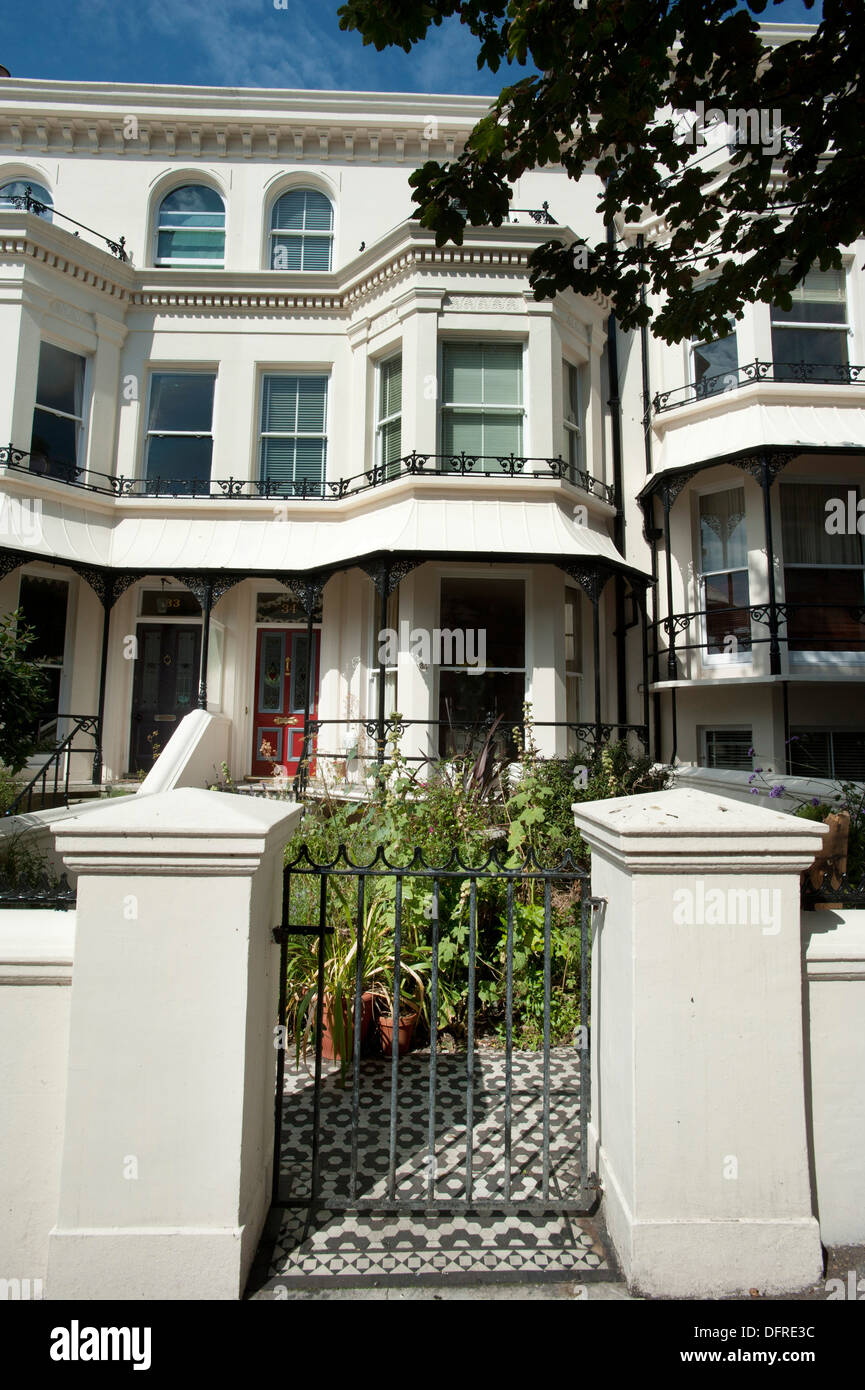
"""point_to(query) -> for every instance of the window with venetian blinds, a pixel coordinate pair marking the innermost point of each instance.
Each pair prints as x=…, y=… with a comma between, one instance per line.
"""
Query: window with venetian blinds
x=294, y=431
x=482, y=400
x=390, y=414
x=301, y=231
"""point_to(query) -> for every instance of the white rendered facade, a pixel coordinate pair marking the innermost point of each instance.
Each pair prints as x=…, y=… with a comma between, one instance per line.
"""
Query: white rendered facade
x=296, y=363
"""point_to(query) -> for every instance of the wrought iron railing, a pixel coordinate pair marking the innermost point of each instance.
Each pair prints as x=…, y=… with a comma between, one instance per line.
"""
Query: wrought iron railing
x=462, y=737
x=40, y=890
x=835, y=890
x=542, y=215
x=25, y=202
x=786, y=618
x=53, y=777
x=413, y=465
x=732, y=379
x=399, y=967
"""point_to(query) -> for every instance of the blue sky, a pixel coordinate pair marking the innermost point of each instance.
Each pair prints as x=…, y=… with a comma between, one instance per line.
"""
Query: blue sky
x=241, y=43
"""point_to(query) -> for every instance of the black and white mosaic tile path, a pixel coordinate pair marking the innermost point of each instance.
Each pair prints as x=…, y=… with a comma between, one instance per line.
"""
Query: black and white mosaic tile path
x=361, y=1247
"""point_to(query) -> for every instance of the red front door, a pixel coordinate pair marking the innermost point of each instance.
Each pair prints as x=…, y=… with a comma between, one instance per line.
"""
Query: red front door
x=280, y=696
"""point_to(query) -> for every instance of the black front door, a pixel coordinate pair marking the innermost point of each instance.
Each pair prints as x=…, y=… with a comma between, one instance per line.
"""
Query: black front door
x=165, y=687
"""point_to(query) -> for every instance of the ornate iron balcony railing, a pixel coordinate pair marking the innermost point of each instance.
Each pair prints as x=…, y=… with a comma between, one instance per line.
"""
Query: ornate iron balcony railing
x=25, y=202
x=832, y=627
x=806, y=373
x=413, y=465
x=541, y=215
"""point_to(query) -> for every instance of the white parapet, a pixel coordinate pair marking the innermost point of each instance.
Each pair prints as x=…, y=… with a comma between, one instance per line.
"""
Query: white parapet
x=836, y=1036
x=165, y=1176
x=698, y=1117
x=36, y=949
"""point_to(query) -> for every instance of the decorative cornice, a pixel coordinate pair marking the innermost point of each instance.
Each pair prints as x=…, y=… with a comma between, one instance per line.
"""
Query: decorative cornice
x=223, y=123
x=32, y=248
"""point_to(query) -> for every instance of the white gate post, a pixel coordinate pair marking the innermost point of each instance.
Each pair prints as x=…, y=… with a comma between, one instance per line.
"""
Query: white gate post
x=169, y=1114
x=698, y=1124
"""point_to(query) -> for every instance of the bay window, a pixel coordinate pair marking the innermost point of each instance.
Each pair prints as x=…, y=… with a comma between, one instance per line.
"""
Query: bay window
x=44, y=605
x=715, y=365
x=824, y=579
x=491, y=616
x=573, y=419
x=573, y=657
x=809, y=340
x=724, y=575
x=482, y=401
x=389, y=422
x=58, y=417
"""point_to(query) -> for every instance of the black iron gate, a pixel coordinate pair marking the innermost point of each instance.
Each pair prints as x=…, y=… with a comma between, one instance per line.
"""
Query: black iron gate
x=535, y=1152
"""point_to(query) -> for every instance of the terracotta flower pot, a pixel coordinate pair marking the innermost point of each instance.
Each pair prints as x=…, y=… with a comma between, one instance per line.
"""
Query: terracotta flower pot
x=405, y=1033
x=329, y=1048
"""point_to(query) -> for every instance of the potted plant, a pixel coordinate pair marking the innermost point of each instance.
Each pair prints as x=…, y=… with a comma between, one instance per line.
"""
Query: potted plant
x=411, y=1006
x=340, y=983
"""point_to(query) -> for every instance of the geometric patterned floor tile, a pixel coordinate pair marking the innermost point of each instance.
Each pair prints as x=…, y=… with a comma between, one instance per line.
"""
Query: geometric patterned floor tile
x=366, y=1247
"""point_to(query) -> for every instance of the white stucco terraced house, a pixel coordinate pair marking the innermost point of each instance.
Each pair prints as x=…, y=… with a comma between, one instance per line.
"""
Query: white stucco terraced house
x=274, y=419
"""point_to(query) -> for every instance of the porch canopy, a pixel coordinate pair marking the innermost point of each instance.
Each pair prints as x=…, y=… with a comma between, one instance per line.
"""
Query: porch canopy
x=253, y=540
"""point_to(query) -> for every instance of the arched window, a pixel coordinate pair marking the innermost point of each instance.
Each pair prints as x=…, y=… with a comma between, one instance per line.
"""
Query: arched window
x=190, y=228
x=11, y=193
x=301, y=231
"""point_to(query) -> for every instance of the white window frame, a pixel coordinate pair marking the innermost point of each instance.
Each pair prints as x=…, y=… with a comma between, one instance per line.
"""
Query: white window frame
x=391, y=673
x=382, y=421
x=299, y=232
x=845, y=328
x=574, y=434
x=464, y=407
x=186, y=369
x=81, y=420
x=707, y=658
x=166, y=262
x=42, y=571
x=815, y=657
x=326, y=374
x=706, y=730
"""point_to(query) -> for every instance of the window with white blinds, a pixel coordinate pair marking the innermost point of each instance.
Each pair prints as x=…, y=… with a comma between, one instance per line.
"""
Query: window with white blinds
x=813, y=330
x=482, y=400
x=573, y=417
x=301, y=231
x=294, y=432
x=389, y=426
x=191, y=227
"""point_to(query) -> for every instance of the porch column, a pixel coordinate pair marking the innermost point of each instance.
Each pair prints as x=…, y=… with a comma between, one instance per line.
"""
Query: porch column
x=668, y=499
x=386, y=575
x=206, y=609
x=165, y=1174
x=384, y=594
x=107, y=604
x=592, y=581
x=764, y=468
x=698, y=1124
